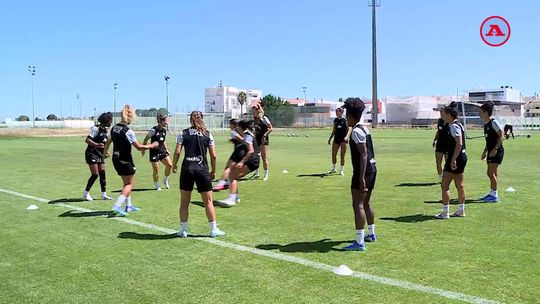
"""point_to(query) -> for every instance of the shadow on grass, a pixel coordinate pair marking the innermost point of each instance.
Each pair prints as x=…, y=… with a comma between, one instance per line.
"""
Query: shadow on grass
x=217, y=204
x=416, y=218
x=67, y=200
x=136, y=190
x=321, y=175
x=321, y=246
x=455, y=202
x=146, y=236
x=150, y=236
x=73, y=213
x=417, y=184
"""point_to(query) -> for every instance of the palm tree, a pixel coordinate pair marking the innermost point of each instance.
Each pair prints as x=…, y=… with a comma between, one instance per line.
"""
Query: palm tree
x=242, y=97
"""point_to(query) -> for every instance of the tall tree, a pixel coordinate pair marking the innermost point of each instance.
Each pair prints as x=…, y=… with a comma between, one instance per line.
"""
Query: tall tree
x=242, y=98
x=280, y=112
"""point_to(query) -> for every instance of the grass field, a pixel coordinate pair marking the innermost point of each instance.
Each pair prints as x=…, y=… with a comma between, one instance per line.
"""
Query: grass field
x=58, y=255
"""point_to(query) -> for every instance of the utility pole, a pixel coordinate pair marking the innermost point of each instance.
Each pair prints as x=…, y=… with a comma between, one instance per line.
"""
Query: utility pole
x=115, y=85
x=374, y=100
x=32, y=71
x=167, y=93
x=304, y=89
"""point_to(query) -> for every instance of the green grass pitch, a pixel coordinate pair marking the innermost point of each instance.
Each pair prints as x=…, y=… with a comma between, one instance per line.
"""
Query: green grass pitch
x=54, y=255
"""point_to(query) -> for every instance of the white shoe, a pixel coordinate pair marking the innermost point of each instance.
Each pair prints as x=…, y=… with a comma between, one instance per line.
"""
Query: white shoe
x=331, y=171
x=443, y=215
x=166, y=183
x=458, y=213
x=342, y=173
x=216, y=232
x=87, y=197
x=265, y=178
x=106, y=197
x=182, y=234
x=228, y=202
x=158, y=189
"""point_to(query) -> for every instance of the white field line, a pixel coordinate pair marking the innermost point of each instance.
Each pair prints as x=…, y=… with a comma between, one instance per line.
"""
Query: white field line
x=288, y=258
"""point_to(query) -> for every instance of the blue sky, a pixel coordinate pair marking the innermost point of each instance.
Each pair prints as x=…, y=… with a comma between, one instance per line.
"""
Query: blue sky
x=424, y=48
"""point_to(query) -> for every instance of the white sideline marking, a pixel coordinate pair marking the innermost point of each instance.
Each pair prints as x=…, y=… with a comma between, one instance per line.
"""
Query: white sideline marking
x=288, y=258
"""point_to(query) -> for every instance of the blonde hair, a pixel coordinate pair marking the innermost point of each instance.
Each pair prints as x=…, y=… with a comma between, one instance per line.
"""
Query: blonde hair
x=197, y=121
x=260, y=111
x=128, y=114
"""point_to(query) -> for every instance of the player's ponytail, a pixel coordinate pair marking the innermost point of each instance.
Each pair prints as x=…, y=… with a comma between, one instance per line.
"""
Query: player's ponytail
x=487, y=107
x=197, y=121
x=128, y=114
x=105, y=119
x=451, y=109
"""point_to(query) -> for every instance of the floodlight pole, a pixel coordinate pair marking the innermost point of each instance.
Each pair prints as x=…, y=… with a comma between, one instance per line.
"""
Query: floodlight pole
x=115, y=85
x=304, y=89
x=374, y=99
x=32, y=71
x=80, y=114
x=167, y=93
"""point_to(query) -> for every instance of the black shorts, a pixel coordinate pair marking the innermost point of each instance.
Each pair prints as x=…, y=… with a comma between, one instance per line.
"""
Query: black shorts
x=237, y=155
x=93, y=158
x=195, y=175
x=339, y=140
x=124, y=168
x=497, y=159
x=156, y=155
x=441, y=148
x=263, y=141
x=253, y=163
x=461, y=162
x=369, y=178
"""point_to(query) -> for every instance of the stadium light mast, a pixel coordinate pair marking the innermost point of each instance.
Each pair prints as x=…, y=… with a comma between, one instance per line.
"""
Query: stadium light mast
x=374, y=104
x=167, y=92
x=32, y=72
x=115, y=85
x=78, y=96
x=304, y=89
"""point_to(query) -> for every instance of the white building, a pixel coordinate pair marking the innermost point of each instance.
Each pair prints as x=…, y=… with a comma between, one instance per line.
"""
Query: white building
x=225, y=100
x=508, y=99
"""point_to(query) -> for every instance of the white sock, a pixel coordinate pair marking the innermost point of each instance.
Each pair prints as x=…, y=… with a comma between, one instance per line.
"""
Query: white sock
x=494, y=193
x=446, y=208
x=333, y=167
x=461, y=207
x=166, y=179
x=85, y=193
x=120, y=200
x=371, y=229
x=220, y=183
x=128, y=201
x=103, y=194
x=342, y=168
x=156, y=185
x=183, y=226
x=265, y=172
x=360, y=236
x=232, y=197
x=213, y=225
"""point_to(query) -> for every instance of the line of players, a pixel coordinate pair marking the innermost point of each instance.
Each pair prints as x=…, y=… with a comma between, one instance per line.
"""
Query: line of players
x=449, y=143
x=198, y=141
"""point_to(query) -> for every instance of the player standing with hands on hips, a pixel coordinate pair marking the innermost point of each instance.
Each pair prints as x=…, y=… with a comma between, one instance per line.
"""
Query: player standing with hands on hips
x=340, y=133
x=196, y=141
x=364, y=174
x=494, y=150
